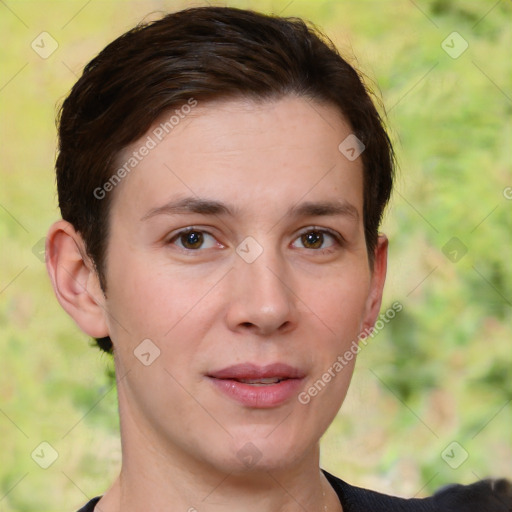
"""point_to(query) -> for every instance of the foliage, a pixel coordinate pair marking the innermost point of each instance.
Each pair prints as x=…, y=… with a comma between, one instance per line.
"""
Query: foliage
x=437, y=373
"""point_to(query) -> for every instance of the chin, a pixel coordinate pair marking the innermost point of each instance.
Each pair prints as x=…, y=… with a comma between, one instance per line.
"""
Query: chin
x=270, y=451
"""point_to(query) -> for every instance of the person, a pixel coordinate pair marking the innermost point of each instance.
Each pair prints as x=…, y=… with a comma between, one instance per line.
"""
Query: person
x=221, y=176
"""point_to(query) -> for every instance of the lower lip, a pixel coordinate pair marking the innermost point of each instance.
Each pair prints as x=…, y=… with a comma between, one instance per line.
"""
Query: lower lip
x=260, y=397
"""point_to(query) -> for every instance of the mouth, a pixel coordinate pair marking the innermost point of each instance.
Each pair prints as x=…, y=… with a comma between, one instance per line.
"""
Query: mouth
x=261, y=382
x=258, y=386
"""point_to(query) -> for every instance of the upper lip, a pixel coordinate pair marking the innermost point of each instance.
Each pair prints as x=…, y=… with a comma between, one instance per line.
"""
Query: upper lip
x=252, y=371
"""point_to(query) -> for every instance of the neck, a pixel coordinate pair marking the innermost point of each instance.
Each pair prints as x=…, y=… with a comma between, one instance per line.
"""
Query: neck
x=153, y=477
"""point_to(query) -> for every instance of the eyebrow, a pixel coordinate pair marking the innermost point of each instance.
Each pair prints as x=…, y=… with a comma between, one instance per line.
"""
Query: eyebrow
x=206, y=206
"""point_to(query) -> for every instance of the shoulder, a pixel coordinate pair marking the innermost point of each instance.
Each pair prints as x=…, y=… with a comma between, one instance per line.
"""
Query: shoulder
x=89, y=506
x=489, y=495
x=485, y=495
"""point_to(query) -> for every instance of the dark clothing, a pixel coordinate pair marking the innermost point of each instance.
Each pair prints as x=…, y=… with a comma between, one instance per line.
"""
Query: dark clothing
x=482, y=496
x=89, y=507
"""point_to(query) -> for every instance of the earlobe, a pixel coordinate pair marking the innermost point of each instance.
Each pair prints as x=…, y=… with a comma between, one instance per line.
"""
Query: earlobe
x=75, y=280
x=374, y=299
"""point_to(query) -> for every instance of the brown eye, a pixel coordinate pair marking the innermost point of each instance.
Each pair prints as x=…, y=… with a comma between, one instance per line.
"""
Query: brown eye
x=193, y=240
x=319, y=239
x=312, y=240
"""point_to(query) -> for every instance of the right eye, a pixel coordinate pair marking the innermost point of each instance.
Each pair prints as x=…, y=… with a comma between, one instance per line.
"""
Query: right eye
x=192, y=239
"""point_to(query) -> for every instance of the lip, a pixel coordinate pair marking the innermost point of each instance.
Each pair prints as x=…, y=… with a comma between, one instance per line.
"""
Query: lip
x=227, y=380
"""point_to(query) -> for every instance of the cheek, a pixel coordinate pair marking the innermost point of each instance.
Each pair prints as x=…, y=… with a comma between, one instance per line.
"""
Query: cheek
x=341, y=307
x=341, y=304
x=164, y=305
x=143, y=303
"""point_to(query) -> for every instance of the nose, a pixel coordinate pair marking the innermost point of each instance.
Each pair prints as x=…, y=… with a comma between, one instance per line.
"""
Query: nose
x=262, y=298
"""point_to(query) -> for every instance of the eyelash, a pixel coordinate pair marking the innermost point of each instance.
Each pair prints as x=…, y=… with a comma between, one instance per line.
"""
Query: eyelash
x=339, y=241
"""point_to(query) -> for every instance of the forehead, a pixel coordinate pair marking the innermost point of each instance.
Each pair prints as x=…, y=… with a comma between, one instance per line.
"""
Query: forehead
x=245, y=153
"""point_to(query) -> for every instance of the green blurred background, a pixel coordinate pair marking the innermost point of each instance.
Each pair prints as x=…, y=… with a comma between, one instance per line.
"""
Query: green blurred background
x=438, y=373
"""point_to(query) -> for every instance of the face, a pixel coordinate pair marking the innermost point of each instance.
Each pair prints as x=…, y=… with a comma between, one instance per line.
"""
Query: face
x=237, y=249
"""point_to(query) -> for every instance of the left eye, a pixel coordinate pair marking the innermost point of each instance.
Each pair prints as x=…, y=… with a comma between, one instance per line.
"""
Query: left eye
x=315, y=238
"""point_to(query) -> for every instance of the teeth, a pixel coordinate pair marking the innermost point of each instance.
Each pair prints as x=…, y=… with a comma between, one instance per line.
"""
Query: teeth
x=269, y=380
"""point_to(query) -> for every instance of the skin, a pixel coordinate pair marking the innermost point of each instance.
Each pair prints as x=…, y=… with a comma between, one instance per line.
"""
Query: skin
x=300, y=302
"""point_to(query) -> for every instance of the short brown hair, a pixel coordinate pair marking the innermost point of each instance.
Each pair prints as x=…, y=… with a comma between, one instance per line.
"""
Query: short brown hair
x=204, y=53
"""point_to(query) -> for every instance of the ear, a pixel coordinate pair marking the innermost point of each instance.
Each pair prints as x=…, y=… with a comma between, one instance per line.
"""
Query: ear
x=75, y=280
x=374, y=299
